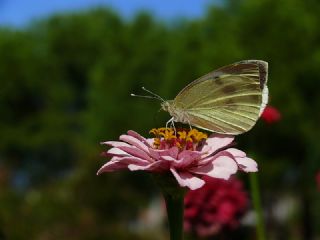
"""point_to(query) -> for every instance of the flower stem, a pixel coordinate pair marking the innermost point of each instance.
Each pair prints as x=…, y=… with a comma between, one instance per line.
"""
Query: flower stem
x=261, y=235
x=175, y=209
x=174, y=198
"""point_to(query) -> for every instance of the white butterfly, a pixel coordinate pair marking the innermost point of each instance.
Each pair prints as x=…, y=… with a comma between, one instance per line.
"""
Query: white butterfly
x=228, y=100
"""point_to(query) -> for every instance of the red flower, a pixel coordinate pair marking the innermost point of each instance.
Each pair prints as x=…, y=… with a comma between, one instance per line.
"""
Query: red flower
x=216, y=206
x=271, y=115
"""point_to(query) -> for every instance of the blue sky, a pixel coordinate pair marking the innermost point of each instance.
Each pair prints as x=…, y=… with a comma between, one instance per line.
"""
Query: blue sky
x=21, y=12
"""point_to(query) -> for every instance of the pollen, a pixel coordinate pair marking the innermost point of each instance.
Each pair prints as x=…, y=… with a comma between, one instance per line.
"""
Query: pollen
x=183, y=139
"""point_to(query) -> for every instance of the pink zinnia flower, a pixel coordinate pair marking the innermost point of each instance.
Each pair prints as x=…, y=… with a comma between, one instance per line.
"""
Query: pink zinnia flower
x=188, y=155
x=271, y=115
x=216, y=206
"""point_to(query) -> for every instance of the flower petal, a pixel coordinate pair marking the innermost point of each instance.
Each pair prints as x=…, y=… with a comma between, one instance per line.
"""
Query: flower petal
x=168, y=158
x=236, y=152
x=139, y=137
x=247, y=164
x=153, y=167
x=136, y=152
x=186, y=179
x=111, y=166
x=216, y=142
x=116, y=152
x=115, y=143
x=185, y=158
x=211, y=158
x=117, y=163
x=153, y=153
x=221, y=167
x=172, y=152
x=189, y=153
x=134, y=141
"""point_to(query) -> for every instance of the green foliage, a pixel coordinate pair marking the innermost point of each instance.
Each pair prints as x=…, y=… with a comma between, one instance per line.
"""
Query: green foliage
x=66, y=84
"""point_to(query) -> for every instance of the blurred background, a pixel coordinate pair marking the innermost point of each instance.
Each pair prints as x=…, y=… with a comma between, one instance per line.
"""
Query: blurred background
x=67, y=69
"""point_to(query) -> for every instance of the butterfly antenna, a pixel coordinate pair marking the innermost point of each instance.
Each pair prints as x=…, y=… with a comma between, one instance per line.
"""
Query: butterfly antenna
x=153, y=95
x=143, y=96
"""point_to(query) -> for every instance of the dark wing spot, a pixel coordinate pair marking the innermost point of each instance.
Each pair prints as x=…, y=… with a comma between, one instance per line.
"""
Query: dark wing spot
x=218, y=81
x=230, y=101
x=238, y=68
x=263, y=75
x=229, y=89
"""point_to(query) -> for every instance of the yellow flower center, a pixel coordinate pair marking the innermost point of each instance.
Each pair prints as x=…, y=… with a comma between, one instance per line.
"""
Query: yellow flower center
x=183, y=138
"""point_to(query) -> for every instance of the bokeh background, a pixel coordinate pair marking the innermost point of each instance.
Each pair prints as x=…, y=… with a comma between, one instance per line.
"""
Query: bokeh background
x=65, y=83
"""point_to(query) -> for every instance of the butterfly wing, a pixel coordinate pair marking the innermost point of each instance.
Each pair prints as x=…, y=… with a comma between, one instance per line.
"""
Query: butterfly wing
x=228, y=100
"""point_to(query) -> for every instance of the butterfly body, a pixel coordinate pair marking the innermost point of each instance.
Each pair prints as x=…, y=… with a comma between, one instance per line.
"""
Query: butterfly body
x=177, y=112
x=228, y=100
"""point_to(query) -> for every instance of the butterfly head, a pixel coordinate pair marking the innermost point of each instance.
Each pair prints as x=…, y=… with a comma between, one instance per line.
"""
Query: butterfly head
x=166, y=106
x=177, y=114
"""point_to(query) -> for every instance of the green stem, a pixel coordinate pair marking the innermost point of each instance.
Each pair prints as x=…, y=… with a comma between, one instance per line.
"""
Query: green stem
x=174, y=198
x=175, y=209
x=261, y=235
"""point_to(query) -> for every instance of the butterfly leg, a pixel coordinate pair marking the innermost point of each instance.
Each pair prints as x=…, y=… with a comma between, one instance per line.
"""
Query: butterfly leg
x=171, y=122
x=174, y=128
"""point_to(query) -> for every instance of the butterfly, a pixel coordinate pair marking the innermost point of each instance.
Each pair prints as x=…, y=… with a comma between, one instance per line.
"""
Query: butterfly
x=228, y=100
